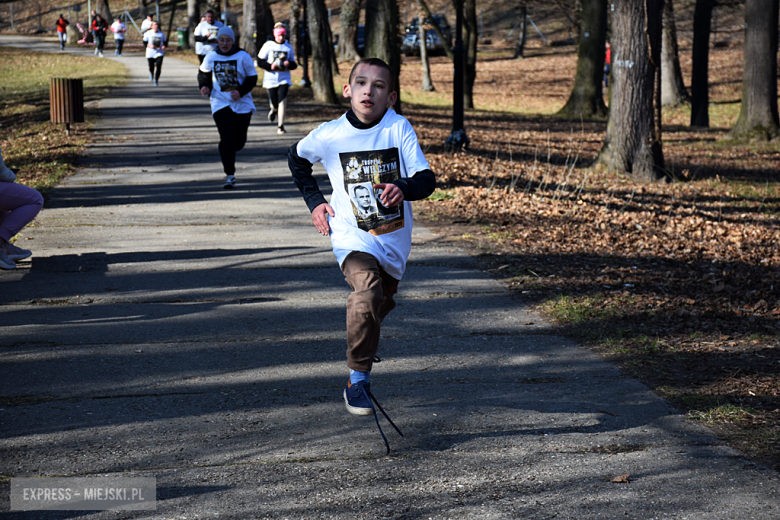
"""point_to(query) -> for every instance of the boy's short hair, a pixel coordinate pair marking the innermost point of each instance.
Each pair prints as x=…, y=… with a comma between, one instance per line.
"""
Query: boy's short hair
x=377, y=63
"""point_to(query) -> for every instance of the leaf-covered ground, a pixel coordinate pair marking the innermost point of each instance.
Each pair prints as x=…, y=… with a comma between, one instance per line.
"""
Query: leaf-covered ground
x=678, y=282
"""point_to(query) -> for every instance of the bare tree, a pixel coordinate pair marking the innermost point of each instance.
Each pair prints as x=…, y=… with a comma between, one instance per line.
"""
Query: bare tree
x=673, y=91
x=587, y=96
x=321, y=52
x=193, y=19
x=424, y=6
x=758, y=116
x=257, y=20
x=382, y=38
x=105, y=11
x=334, y=64
x=470, y=37
x=700, y=95
x=348, y=28
x=520, y=49
x=296, y=6
x=632, y=144
x=427, y=82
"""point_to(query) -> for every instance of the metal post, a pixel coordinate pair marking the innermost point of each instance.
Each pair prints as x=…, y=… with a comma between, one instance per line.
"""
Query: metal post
x=12, y=16
x=305, y=82
x=458, y=139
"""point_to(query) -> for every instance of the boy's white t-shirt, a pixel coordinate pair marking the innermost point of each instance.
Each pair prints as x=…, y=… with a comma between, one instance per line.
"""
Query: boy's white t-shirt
x=228, y=72
x=209, y=30
x=158, y=40
x=356, y=159
x=278, y=53
x=118, y=28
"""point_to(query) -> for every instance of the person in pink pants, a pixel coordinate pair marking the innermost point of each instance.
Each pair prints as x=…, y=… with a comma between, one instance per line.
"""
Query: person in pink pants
x=19, y=204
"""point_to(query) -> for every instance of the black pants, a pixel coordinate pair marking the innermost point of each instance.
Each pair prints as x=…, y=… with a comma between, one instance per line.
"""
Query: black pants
x=232, y=136
x=155, y=62
x=119, y=45
x=278, y=94
x=100, y=41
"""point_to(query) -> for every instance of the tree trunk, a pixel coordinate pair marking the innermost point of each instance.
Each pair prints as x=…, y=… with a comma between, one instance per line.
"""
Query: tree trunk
x=296, y=6
x=470, y=37
x=251, y=8
x=673, y=91
x=382, y=38
x=758, y=115
x=321, y=52
x=427, y=82
x=520, y=49
x=700, y=95
x=587, y=96
x=334, y=64
x=105, y=11
x=437, y=29
x=255, y=28
x=268, y=31
x=632, y=144
x=174, y=4
x=348, y=21
x=193, y=19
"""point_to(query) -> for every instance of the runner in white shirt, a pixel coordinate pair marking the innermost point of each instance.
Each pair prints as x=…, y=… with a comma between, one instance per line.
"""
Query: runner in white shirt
x=119, y=29
x=277, y=58
x=147, y=23
x=155, y=50
x=206, y=35
x=375, y=167
x=228, y=76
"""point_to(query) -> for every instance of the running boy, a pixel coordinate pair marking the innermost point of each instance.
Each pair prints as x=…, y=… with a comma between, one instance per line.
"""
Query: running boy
x=373, y=149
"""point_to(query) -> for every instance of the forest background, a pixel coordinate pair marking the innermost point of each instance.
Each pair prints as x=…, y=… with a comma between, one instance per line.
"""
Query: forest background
x=679, y=281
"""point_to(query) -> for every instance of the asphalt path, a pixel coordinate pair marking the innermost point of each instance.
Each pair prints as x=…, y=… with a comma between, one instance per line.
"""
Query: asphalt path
x=168, y=328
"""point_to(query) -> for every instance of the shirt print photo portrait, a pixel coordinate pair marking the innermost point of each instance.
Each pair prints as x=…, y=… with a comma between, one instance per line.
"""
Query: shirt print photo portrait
x=361, y=171
x=226, y=73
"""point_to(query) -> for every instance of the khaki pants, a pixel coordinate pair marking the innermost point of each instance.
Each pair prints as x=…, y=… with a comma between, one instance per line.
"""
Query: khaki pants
x=368, y=304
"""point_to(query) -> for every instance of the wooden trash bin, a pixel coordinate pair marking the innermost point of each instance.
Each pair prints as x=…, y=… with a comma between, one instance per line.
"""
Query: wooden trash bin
x=66, y=97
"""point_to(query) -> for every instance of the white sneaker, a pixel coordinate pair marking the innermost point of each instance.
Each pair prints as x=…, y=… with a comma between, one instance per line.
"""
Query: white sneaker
x=16, y=253
x=100, y=54
x=281, y=130
x=230, y=182
x=5, y=262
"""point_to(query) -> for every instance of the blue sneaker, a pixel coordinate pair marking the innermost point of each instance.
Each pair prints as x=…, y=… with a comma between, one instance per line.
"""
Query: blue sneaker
x=357, y=400
x=360, y=401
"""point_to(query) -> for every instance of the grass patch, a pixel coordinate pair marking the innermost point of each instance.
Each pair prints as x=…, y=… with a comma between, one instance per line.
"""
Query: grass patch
x=440, y=195
x=724, y=413
x=582, y=309
x=38, y=148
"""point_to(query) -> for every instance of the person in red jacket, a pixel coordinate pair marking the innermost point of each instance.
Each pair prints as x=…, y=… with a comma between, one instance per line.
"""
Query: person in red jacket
x=62, y=23
x=99, y=27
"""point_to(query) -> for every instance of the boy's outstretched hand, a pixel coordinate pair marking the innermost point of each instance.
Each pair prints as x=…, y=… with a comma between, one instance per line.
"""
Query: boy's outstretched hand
x=319, y=217
x=391, y=194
